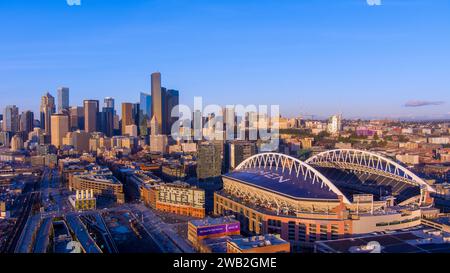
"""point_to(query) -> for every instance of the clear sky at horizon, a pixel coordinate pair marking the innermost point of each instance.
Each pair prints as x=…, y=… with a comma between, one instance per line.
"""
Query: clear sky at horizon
x=311, y=57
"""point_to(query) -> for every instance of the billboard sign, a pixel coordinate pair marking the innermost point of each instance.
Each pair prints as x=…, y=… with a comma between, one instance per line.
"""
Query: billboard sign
x=225, y=228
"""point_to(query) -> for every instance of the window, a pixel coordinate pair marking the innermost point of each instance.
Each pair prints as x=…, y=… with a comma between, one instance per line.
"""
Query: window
x=302, y=232
x=291, y=231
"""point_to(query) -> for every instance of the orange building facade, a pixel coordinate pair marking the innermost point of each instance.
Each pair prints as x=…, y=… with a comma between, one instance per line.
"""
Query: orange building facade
x=176, y=198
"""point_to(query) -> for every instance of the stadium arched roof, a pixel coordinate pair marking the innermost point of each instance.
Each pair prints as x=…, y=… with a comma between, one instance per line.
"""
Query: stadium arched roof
x=366, y=161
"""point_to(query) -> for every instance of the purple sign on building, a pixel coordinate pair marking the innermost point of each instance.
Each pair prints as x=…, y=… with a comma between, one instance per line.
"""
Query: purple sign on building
x=232, y=227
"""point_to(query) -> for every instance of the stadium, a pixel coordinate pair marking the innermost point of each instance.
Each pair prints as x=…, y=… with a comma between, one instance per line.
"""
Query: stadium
x=332, y=195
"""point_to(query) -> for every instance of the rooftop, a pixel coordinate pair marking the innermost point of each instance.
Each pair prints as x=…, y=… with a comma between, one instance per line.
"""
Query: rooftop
x=208, y=221
x=283, y=182
x=445, y=220
x=414, y=241
x=257, y=241
x=218, y=245
x=146, y=177
x=104, y=178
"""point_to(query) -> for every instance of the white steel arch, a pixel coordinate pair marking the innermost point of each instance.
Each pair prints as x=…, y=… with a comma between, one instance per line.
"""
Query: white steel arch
x=360, y=160
x=285, y=162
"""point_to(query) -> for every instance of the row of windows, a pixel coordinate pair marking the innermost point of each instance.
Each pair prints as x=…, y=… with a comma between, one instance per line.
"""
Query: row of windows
x=296, y=231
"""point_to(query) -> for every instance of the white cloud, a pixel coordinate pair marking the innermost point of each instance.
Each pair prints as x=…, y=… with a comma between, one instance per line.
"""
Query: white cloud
x=374, y=2
x=78, y=2
x=420, y=103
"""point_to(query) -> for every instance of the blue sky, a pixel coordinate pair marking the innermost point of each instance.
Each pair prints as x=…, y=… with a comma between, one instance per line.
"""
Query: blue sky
x=311, y=57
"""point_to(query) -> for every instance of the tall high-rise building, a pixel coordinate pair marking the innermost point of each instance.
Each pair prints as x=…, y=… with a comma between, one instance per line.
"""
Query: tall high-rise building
x=209, y=161
x=63, y=99
x=172, y=99
x=154, y=128
x=107, y=121
x=197, y=124
x=26, y=122
x=146, y=104
x=145, y=113
x=229, y=123
x=163, y=101
x=109, y=102
x=47, y=109
x=76, y=118
x=236, y=152
x=157, y=100
x=5, y=138
x=60, y=127
x=136, y=110
x=91, y=115
x=127, y=116
x=11, y=119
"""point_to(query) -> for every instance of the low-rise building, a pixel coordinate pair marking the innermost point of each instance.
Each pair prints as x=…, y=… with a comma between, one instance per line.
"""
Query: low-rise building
x=178, y=198
x=83, y=200
x=174, y=171
x=268, y=243
x=102, y=183
x=199, y=230
x=426, y=240
x=408, y=158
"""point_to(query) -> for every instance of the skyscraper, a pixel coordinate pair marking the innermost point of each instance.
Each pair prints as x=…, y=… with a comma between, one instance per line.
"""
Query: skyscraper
x=127, y=116
x=229, y=120
x=107, y=121
x=197, y=124
x=91, y=115
x=154, y=129
x=11, y=119
x=157, y=100
x=108, y=117
x=145, y=113
x=236, y=152
x=63, y=99
x=109, y=102
x=47, y=109
x=172, y=99
x=60, y=127
x=26, y=122
x=209, y=161
x=76, y=118
x=146, y=104
x=136, y=113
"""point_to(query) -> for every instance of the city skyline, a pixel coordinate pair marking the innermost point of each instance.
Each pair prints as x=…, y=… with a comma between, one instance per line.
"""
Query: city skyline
x=224, y=127
x=355, y=58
